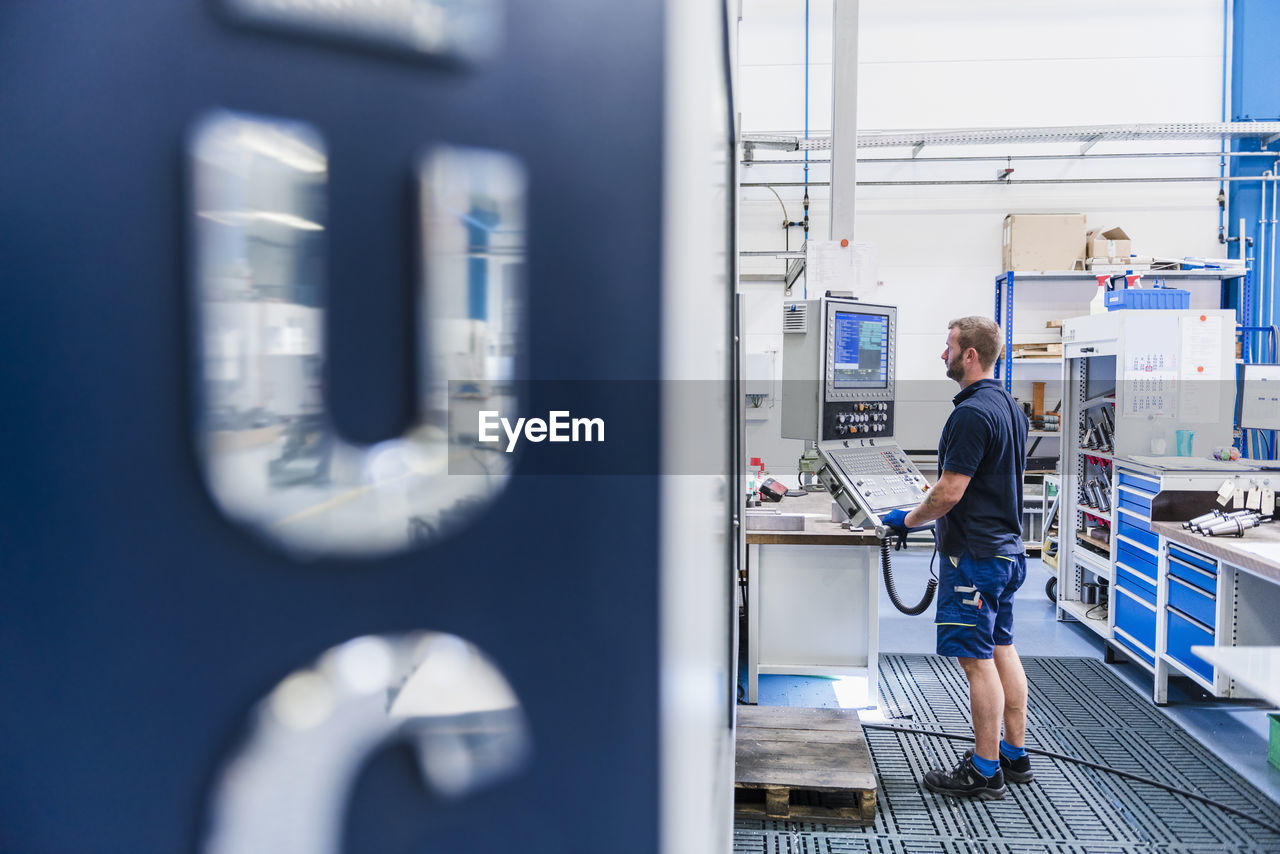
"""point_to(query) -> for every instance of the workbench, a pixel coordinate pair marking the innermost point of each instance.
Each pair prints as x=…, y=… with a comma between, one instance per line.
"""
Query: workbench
x=1257, y=552
x=812, y=600
x=1219, y=596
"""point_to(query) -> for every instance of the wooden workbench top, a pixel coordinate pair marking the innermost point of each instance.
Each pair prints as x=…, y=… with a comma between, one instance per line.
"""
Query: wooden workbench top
x=819, y=530
x=1257, y=552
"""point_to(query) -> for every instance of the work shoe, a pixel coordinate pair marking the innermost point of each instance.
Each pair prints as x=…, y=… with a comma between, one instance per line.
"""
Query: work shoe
x=1015, y=770
x=965, y=781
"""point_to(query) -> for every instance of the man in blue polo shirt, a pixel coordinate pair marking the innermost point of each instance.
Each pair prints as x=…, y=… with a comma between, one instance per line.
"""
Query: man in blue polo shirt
x=977, y=503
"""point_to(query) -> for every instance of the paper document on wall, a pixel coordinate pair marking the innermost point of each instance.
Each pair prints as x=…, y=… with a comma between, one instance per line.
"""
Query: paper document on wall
x=1150, y=372
x=1201, y=369
x=830, y=266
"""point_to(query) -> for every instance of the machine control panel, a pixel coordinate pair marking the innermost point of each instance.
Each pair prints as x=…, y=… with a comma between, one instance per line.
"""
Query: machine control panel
x=857, y=420
x=871, y=477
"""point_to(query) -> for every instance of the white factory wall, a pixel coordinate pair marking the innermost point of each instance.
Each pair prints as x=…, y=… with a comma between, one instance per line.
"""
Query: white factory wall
x=927, y=64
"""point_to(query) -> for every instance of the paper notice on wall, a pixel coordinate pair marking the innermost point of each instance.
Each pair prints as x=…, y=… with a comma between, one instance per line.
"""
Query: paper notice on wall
x=1201, y=368
x=829, y=266
x=1150, y=373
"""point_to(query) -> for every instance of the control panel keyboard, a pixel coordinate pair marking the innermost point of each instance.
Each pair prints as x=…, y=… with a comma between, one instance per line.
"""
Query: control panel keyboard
x=876, y=477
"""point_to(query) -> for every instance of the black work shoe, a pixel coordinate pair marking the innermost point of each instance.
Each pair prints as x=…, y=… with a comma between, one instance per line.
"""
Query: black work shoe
x=965, y=781
x=1015, y=770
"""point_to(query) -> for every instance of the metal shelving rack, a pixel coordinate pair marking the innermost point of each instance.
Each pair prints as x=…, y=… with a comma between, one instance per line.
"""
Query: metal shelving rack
x=1004, y=292
x=1077, y=561
x=1095, y=377
x=1004, y=315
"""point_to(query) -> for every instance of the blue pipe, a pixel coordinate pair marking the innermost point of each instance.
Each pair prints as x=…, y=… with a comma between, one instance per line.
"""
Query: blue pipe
x=1226, y=77
x=805, y=289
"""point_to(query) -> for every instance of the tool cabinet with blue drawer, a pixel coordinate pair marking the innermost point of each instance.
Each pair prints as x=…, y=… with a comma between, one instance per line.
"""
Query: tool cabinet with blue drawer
x=1218, y=592
x=1109, y=564
x=1166, y=597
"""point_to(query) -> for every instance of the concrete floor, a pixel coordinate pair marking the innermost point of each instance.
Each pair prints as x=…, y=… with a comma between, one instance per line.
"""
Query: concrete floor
x=1237, y=731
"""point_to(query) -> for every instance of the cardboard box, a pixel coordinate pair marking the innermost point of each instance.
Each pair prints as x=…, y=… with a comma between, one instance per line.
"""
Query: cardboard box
x=1043, y=241
x=1107, y=245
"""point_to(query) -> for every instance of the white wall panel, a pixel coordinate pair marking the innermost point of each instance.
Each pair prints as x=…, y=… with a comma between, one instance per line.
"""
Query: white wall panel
x=773, y=32
x=994, y=92
x=946, y=30
x=772, y=99
x=762, y=310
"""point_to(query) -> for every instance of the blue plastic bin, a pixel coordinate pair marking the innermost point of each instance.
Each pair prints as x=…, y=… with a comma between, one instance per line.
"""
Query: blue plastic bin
x=1147, y=298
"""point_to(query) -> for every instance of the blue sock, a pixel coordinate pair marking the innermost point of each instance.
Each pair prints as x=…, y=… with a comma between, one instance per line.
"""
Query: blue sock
x=1008, y=751
x=986, y=767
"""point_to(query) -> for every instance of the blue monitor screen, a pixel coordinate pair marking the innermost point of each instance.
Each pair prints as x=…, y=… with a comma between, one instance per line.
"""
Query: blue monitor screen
x=860, y=351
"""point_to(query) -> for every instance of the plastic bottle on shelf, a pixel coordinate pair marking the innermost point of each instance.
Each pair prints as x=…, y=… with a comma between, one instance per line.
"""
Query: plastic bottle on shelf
x=1098, y=305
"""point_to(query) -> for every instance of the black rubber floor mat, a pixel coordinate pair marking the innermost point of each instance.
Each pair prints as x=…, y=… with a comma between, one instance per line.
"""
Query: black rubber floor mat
x=1077, y=707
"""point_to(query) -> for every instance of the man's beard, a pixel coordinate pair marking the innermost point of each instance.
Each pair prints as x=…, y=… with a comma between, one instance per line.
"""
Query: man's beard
x=955, y=370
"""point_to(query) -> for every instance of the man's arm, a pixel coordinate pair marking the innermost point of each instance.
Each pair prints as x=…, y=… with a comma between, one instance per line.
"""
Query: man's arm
x=944, y=495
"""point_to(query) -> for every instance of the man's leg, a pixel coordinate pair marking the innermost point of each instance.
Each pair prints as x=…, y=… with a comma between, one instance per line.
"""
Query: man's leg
x=966, y=623
x=1014, y=682
x=987, y=703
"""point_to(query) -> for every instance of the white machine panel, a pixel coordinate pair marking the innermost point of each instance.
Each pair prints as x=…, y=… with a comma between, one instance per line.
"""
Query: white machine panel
x=1260, y=397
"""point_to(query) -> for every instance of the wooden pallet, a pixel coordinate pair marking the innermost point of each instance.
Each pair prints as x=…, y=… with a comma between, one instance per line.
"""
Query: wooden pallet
x=798, y=764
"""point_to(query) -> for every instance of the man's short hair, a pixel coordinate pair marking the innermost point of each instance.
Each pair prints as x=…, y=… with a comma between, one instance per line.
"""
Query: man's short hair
x=980, y=333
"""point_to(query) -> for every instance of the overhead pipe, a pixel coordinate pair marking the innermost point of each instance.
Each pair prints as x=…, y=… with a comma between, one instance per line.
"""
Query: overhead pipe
x=978, y=158
x=1026, y=181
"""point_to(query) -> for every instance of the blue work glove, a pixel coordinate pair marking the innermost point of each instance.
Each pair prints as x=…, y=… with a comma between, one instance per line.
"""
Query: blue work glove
x=896, y=521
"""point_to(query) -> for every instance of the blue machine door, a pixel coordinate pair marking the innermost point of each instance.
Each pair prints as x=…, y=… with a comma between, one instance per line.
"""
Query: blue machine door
x=263, y=267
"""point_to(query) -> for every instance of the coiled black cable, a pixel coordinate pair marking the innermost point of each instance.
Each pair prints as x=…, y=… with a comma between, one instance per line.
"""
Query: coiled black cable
x=1095, y=766
x=887, y=570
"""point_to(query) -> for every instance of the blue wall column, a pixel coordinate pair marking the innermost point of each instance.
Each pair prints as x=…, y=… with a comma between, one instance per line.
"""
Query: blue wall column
x=1255, y=69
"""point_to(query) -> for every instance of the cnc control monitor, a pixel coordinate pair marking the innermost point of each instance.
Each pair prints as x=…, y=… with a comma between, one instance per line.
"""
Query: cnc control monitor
x=860, y=350
x=847, y=346
x=858, y=363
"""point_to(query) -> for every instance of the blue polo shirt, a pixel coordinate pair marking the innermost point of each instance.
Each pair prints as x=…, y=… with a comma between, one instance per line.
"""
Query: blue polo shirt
x=985, y=438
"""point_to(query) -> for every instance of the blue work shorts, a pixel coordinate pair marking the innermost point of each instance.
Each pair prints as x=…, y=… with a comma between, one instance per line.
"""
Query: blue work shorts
x=975, y=603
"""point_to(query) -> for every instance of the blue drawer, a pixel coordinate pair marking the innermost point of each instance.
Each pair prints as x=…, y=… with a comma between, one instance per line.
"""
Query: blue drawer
x=1136, y=558
x=1135, y=583
x=1145, y=484
x=1135, y=501
x=1138, y=653
x=1202, y=578
x=1193, y=558
x=1135, y=617
x=1193, y=602
x=1184, y=634
x=1136, y=530
x=1135, y=521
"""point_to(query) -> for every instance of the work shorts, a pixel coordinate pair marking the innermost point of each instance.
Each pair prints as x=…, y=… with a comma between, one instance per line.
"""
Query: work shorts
x=975, y=603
